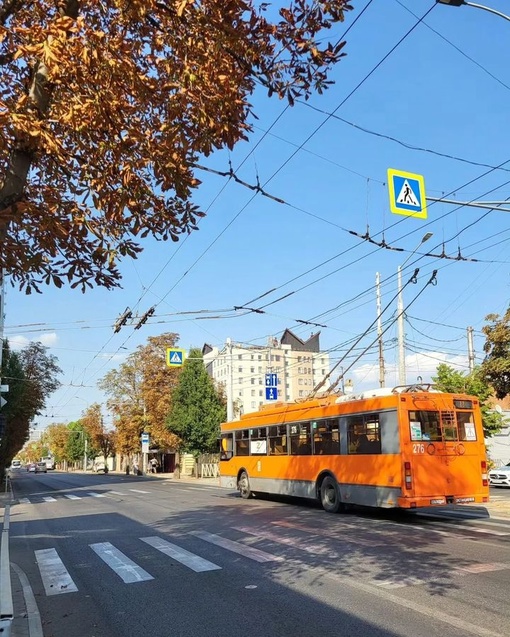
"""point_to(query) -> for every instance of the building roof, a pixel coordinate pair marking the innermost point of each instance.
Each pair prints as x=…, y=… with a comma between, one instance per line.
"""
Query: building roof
x=297, y=344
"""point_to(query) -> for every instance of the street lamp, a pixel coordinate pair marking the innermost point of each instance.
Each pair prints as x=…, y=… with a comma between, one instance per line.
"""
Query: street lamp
x=400, y=316
x=458, y=3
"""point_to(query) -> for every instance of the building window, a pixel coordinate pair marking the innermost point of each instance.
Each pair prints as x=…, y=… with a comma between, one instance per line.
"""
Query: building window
x=253, y=392
x=260, y=392
x=277, y=357
x=252, y=370
x=253, y=381
x=240, y=357
x=240, y=369
x=253, y=404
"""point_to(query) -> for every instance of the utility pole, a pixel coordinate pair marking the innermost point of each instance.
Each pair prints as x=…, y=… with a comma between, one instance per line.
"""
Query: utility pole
x=379, y=331
x=471, y=350
x=230, y=389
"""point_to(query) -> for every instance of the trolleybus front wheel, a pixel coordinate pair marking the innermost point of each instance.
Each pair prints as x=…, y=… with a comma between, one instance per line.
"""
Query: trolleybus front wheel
x=243, y=484
x=330, y=496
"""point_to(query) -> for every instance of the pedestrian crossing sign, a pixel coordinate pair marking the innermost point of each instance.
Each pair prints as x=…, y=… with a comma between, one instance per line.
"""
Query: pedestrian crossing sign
x=407, y=194
x=174, y=357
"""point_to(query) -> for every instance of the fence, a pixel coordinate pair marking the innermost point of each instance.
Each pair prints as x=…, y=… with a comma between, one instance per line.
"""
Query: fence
x=208, y=465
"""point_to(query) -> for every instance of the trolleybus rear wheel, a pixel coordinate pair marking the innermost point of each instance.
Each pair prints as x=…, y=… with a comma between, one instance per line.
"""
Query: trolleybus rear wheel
x=330, y=496
x=243, y=484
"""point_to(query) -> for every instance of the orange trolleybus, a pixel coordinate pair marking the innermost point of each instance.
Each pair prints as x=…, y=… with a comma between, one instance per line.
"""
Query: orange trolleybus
x=406, y=447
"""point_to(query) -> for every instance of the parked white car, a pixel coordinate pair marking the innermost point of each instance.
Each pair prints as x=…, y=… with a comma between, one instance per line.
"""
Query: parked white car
x=500, y=477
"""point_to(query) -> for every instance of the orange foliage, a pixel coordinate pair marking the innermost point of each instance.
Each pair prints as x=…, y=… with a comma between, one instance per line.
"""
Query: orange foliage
x=105, y=107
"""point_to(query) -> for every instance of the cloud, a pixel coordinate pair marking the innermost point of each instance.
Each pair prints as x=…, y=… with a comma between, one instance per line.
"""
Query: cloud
x=19, y=341
x=418, y=366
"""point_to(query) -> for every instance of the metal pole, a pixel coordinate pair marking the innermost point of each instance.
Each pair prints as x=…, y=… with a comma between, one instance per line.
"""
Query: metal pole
x=401, y=337
x=230, y=371
x=471, y=350
x=379, y=330
x=85, y=452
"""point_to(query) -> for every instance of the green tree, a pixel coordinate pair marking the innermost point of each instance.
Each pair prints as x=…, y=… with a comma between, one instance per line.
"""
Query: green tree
x=475, y=384
x=198, y=407
x=496, y=365
x=75, y=447
x=31, y=375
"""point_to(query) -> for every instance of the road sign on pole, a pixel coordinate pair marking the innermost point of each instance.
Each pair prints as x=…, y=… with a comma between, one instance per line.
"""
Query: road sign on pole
x=271, y=393
x=407, y=194
x=271, y=386
x=174, y=357
x=145, y=443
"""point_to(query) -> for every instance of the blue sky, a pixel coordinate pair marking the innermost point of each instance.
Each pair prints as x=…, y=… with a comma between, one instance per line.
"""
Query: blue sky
x=442, y=96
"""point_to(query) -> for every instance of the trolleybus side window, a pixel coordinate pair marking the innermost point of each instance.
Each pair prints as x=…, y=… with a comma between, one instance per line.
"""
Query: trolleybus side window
x=258, y=441
x=326, y=439
x=242, y=439
x=227, y=444
x=300, y=439
x=363, y=434
x=278, y=440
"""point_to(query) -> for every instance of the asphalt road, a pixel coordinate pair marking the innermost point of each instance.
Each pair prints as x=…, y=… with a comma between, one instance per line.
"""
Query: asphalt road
x=118, y=556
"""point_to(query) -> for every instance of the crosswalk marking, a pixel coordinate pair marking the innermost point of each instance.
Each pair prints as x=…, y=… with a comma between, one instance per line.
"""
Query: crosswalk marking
x=125, y=568
x=117, y=493
x=71, y=496
x=192, y=561
x=96, y=495
x=139, y=491
x=237, y=547
x=24, y=501
x=49, y=499
x=54, y=575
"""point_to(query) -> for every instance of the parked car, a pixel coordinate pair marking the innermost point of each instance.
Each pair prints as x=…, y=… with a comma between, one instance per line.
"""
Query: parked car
x=500, y=477
x=31, y=467
x=15, y=465
x=40, y=467
x=100, y=467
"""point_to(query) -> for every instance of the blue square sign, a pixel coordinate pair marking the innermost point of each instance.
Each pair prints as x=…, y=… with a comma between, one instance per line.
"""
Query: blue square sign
x=271, y=393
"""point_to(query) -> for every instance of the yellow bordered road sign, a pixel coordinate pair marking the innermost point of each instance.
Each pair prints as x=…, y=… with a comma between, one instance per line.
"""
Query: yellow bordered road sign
x=174, y=357
x=407, y=194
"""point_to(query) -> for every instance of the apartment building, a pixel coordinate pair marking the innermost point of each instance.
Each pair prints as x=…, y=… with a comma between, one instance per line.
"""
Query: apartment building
x=299, y=366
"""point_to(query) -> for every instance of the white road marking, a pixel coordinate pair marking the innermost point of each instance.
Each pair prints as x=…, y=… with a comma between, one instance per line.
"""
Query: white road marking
x=54, y=574
x=139, y=491
x=192, y=561
x=125, y=568
x=49, y=499
x=96, y=495
x=237, y=547
x=117, y=492
x=24, y=501
x=72, y=496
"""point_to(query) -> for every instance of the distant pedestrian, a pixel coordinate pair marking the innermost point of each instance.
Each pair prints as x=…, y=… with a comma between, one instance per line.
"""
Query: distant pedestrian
x=136, y=468
x=154, y=465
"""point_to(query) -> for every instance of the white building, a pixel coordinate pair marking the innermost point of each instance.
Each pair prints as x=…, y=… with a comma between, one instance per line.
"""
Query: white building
x=299, y=366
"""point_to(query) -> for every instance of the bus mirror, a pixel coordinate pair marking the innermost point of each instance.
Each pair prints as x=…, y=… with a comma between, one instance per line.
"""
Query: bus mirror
x=224, y=444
